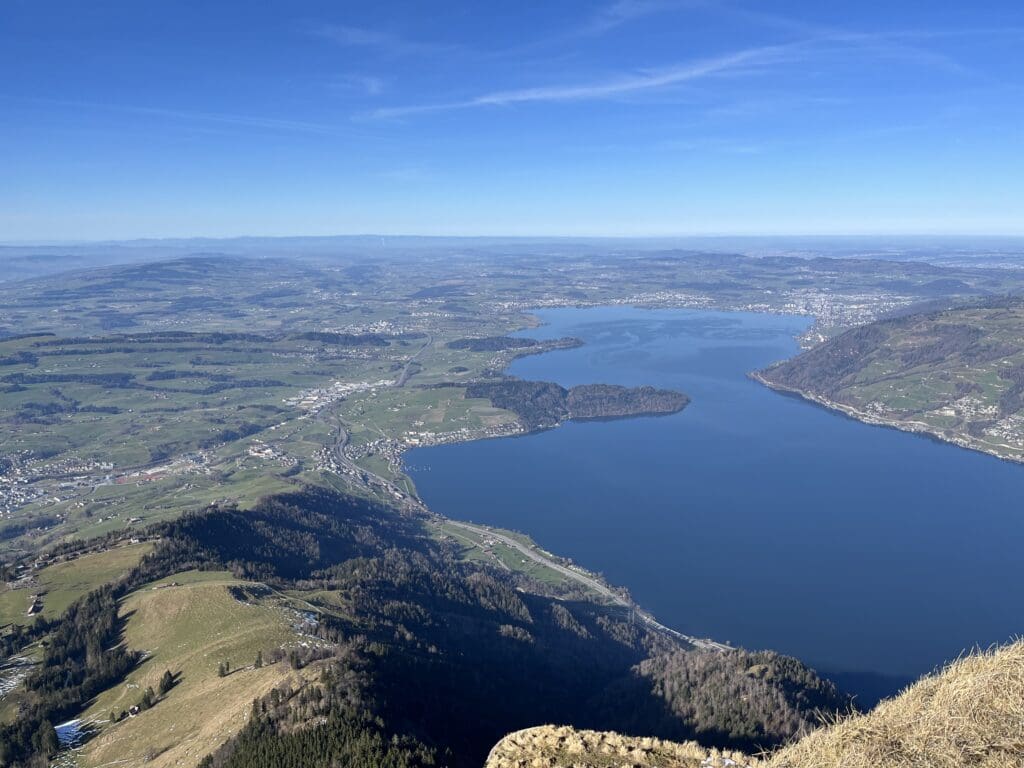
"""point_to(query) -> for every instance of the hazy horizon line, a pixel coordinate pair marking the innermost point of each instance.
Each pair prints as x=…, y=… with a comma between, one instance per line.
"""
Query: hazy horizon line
x=839, y=235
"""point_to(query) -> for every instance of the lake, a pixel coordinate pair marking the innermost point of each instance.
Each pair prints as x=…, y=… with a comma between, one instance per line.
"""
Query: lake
x=752, y=517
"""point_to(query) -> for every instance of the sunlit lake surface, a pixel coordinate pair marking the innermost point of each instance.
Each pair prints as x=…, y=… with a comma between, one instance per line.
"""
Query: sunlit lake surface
x=751, y=516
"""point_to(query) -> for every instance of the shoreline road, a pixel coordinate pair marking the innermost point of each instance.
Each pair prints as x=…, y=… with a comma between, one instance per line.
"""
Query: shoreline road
x=407, y=368
x=413, y=504
x=593, y=584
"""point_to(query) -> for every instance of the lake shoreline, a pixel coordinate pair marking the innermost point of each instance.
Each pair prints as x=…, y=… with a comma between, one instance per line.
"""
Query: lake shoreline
x=747, y=480
x=855, y=414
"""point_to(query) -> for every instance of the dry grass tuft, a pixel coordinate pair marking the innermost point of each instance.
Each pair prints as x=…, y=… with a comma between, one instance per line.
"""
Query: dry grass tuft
x=970, y=714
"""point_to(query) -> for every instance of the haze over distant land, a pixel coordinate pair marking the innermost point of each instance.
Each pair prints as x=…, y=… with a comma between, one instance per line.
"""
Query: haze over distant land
x=25, y=260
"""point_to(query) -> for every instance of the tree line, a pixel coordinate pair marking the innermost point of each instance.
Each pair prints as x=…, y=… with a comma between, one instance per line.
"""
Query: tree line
x=433, y=658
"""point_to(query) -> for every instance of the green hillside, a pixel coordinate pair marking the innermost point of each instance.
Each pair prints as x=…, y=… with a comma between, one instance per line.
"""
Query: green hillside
x=372, y=631
x=956, y=374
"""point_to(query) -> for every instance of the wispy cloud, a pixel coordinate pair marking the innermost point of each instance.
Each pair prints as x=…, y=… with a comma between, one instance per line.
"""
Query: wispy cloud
x=624, y=11
x=620, y=86
x=249, y=121
x=217, y=118
x=892, y=44
x=801, y=26
x=386, y=43
x=815, y=41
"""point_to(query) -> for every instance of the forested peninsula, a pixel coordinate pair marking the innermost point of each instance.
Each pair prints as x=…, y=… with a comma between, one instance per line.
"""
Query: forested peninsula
x=544, y=404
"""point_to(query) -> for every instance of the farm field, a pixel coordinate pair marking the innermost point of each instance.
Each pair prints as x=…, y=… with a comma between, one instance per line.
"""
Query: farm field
x=57, y=586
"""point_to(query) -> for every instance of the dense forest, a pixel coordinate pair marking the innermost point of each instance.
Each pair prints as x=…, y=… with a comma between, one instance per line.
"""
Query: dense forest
x=737, y=697
x=82, y=658
x=340, y=735
x=219, y=338
x=493, y=343
x=440, y=657
x=542, y=404
x=607, y=401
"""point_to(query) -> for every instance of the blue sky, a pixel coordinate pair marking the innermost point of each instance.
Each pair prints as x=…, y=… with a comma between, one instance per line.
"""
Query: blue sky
x=629, y=117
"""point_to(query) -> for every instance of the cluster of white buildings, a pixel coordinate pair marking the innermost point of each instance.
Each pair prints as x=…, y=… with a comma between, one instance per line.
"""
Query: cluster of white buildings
x=260, y=450
x=419, y=439
x=316, y=398
x=1009, y=431
x=33, y=481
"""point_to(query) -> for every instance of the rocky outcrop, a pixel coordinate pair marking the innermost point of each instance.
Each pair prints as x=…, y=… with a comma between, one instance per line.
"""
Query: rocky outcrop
x=551, y=746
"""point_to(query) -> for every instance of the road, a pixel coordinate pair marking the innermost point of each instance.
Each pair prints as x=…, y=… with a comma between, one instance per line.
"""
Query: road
x=412, y=504
x=590, y=583
x=407, y=368
x=537, y=557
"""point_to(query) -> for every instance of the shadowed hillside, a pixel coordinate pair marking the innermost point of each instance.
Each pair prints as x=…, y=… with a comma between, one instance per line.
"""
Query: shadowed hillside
x=970, y=714
x=403, y=644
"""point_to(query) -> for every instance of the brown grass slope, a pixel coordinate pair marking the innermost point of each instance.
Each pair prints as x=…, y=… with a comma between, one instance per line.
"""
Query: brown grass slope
x=189, y=630
x=969, y=715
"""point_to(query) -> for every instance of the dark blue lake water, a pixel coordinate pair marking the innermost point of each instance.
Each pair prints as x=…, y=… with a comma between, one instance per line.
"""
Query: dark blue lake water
x=753, y=517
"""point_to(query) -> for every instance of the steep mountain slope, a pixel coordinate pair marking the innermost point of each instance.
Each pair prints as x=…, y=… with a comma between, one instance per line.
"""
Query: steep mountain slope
x=408, y=655
x=970, y=714
x=189, y=626
x=956, y=374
